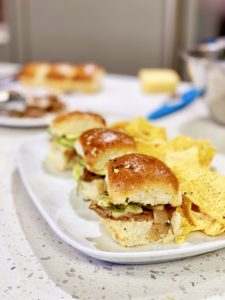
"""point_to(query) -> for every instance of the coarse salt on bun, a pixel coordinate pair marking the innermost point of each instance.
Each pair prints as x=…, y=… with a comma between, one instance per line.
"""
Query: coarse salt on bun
x=138, y=178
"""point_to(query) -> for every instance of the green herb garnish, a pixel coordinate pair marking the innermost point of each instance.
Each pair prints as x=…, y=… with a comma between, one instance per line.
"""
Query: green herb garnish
x=167, y=223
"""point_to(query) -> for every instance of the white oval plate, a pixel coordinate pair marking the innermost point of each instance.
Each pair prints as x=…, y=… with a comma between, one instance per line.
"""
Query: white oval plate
x=70, y=218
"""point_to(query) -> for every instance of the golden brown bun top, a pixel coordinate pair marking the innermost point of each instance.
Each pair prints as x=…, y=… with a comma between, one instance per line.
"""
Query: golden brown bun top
x=75, y=122
x=32, y=69
x=73, y=115
x=87, y=71
x=62, y=70
x=132, y=173
x=99, y=145
x=101, y=139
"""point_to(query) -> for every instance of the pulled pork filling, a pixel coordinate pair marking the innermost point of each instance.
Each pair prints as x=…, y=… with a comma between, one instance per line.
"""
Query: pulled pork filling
x=160, y=215
x=70, y=154
x=89, y=176
x=117, y=214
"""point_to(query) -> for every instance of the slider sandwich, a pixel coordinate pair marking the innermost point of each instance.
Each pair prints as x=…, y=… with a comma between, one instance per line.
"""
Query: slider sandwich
x=63, y=76
x=34, y=74
x=65, y=129
x=68, y=77
x=140, y=207
x=95, y=147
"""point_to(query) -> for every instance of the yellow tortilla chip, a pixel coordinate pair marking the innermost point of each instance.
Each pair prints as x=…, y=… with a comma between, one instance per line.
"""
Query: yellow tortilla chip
x=208, y=193
x=201, y=220
x=152, y=140
x=183, y=159
x=203, y=187
x=186, y=227
x=153, y=149
x=120, y=125
x=199, y=184
x=205, y=151
x=185, y=164
x=141, y=130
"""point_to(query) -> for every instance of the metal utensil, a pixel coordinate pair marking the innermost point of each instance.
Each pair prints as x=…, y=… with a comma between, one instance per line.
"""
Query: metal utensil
x=7, y=96
x=11, y=100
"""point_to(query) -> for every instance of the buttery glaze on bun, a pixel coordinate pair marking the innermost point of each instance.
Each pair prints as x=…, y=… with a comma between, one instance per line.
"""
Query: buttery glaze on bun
x=62, y=70
x=98, y=145
x=63, y=76
x=75, y=123
x=87, y=71
x=138, y=178
x=34, y=73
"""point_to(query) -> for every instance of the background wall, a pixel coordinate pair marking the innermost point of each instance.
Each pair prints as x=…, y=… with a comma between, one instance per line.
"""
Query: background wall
x=123, y=35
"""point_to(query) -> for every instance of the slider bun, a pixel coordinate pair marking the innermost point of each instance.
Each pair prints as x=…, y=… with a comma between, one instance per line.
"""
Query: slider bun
x=61, y=158
x=137, y=233
x=34, y=73
x=75, y=123
x=91, y=190
x=139, y=178
x=60, y=77
x=62, y=70
x=88, y=71
x=98, y=145
x=63, y=76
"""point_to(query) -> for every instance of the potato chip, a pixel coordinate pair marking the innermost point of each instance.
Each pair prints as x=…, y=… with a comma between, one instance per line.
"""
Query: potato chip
x=185, y=164
x=183, y=159
x=199, y=184
x=152, y=140
x=206, y=151
x=153, y=149
x=208, y=193
x=215, y=228
x=186, y=227
x=120, y=125
x=142, y=130
x=200, y=220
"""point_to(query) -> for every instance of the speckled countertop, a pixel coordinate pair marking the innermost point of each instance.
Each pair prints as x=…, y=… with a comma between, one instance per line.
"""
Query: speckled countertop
x=36, y=264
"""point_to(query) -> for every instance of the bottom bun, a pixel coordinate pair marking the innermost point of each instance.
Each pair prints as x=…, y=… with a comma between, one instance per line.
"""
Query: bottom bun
x=61, y=158
x=91, y=190
x=67, y=85
x=137, y=233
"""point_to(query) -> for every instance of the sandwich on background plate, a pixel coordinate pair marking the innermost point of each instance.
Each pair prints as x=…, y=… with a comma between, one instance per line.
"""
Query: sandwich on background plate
x=65, y=129
x=96, y=147
x=63, y=76
x=33, y=74
x=140, y=207
x=67, y=77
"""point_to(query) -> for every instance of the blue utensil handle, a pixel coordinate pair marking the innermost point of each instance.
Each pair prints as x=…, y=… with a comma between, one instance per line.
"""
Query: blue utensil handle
x=169, y=108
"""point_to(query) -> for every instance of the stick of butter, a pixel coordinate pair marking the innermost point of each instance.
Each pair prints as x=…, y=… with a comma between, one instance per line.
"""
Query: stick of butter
x=159, y=80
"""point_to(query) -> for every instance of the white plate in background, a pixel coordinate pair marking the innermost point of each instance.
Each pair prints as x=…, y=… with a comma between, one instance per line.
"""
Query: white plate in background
x=70, y=218
x=15, y=122
x=121, y=96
